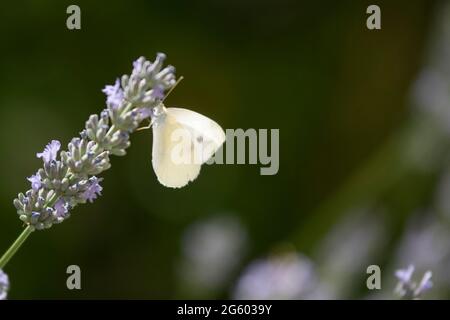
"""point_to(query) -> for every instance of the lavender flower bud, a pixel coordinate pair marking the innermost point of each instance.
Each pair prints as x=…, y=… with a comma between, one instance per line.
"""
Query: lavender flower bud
x=53, y=174
x=84, y=158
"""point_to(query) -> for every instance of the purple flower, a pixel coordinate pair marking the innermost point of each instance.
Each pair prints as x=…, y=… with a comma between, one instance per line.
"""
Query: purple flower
x=4, y=285
x=407, y=288
x=289, y=276
x=425, y=283
x=50, y=151
x=114, y=94
x=36, y=182
x=158, y=92
x=61, y=208
x=404, y=275
x=93, y=190
x=144, y=113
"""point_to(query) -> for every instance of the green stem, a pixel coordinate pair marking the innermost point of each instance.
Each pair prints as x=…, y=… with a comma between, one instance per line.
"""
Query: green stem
x=15, y=246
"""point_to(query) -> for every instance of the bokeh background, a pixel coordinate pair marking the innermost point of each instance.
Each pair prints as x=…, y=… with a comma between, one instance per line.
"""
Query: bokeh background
x=364, y=119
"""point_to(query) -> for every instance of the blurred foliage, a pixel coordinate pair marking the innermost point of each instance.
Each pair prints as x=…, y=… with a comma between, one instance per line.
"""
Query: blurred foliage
x=337, y=91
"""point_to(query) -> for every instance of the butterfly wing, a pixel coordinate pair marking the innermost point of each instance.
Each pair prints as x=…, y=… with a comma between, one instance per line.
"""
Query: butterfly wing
x=182, y=141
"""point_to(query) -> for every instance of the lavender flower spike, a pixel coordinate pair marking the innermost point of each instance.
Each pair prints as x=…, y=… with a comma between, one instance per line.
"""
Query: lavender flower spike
x=4, y=285
x=69, y=178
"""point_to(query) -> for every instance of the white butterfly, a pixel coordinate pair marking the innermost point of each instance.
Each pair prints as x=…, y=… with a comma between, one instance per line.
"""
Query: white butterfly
x=182, y=141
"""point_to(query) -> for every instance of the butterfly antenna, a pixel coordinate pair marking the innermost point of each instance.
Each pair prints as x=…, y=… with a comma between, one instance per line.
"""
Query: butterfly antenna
x=171, y=89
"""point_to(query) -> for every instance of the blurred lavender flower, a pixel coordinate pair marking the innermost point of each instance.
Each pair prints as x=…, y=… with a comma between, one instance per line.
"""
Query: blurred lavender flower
x=426, y=238
x=442, y=200
x=425, y=243
x=407, y=288
x=4, y=285
x=212, y=249
x=425, y=284
x=286, y=276
x=71, y=179
x=404, y=275
x=432, y=95
x=428, y=144
x=343, y=256
x=431, y=92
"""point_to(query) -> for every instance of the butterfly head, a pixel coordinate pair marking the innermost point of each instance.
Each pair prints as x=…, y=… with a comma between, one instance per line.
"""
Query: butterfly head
x=158, y=113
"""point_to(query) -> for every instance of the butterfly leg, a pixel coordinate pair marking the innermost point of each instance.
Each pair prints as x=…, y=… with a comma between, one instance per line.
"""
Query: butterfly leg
x=146, y=127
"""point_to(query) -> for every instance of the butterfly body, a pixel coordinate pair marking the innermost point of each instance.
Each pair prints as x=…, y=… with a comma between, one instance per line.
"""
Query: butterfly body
x=182, y=141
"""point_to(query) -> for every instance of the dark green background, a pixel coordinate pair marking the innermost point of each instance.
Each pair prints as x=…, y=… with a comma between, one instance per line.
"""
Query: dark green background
x=337, y=92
